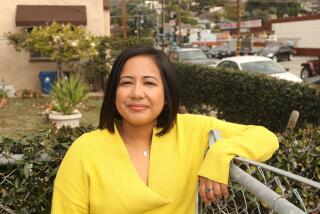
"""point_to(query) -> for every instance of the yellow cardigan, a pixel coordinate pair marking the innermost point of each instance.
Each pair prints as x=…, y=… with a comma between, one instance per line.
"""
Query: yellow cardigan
x=97, y=176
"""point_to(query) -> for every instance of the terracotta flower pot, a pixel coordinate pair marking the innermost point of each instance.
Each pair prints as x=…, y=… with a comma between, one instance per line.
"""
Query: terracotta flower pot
x=3, y=102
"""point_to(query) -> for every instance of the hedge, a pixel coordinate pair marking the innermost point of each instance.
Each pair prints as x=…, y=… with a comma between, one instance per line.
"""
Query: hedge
x=247, y=98
x=27, y=186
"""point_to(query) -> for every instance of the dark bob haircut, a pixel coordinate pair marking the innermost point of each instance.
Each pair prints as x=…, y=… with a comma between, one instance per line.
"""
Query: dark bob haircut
x=109, y=114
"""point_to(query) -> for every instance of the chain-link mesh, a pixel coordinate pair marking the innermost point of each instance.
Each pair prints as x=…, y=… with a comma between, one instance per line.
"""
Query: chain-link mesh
x=298, y=191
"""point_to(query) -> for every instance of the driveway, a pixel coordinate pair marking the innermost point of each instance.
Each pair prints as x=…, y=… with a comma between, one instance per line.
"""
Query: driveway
x=295, y=65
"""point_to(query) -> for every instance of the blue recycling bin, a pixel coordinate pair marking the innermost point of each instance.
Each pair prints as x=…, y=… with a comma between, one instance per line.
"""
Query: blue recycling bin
x=47, y=79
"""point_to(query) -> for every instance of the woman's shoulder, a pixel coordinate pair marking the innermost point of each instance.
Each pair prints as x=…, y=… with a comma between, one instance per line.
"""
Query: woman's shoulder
x=90, y=139
x=195, y=118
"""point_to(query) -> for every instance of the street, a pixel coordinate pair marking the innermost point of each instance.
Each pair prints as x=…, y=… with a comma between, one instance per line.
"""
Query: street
x=295, y=65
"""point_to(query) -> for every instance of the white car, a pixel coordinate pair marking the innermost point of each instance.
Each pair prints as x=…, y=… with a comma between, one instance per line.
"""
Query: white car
x=257, y=64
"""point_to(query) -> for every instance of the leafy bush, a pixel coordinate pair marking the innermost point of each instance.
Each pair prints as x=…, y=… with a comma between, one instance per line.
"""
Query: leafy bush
x=68, y=93
x=27, y=186
x=247, y=98
x=3, y=94
x=28, y=93
x=108, y=48
x=299, y=154
x=63, y=43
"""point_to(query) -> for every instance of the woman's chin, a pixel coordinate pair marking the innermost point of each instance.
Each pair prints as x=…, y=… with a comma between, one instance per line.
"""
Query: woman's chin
x=140, y=121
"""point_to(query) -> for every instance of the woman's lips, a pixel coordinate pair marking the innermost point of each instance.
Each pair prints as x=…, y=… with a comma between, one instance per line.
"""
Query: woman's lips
x=137, y=107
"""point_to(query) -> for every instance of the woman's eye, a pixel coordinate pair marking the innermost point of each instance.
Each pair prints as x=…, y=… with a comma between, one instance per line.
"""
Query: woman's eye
x=150, y=83
x=125, y=83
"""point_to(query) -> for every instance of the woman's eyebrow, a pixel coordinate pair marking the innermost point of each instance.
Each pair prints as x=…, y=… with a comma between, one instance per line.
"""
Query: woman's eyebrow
x=153, y=77
x=144, y=77
x=122, y=77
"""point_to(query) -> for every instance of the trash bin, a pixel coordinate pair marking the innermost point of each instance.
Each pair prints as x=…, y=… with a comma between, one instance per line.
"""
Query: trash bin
x=47, y=78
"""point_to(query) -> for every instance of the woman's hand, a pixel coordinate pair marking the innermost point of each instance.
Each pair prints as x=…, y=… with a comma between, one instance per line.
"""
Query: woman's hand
x=211, y=191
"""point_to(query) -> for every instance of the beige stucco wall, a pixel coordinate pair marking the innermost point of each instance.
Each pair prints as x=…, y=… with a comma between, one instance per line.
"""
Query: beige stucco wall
x=15, y=67
x=305, y=33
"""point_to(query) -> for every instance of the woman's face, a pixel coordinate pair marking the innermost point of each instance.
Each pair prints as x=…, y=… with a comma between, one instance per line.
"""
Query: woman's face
x=140, y=92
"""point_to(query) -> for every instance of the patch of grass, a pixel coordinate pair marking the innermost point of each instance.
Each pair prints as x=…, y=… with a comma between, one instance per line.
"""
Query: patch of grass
x=23, y=116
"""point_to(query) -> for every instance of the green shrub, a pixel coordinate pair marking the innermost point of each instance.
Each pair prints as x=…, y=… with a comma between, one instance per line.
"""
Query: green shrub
x=3, y=94
x=27, y=186
x=67, y=93
x=299, y=154
x=247, y=98
x=98, y=67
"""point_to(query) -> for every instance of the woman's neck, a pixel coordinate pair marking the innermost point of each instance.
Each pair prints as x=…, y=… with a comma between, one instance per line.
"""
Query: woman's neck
x=138, y=136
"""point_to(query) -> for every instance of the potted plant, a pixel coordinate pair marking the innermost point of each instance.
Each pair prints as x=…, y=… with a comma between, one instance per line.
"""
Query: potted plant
x=3, y=98
x=67, y=93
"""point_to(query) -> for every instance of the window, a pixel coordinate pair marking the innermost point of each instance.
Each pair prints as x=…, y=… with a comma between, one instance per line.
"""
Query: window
x=36, y=56
x=234, y=66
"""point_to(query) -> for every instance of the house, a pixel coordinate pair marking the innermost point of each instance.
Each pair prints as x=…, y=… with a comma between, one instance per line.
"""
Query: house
x=20, y=69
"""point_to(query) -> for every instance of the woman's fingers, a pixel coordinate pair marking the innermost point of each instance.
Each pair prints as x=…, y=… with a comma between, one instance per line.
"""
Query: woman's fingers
x=217, y=190
x=202, y=192
x=209, y=190
x=224, y=190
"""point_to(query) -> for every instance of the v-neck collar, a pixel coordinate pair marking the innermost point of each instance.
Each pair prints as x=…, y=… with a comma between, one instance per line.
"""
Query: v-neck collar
x=163, y=172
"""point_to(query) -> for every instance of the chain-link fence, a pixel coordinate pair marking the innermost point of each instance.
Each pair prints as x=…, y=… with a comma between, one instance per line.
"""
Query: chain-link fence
x=259, y=188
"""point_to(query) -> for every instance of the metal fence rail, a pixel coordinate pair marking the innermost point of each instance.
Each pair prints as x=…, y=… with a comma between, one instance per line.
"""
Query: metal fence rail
x=249, y=195
x=260, y=188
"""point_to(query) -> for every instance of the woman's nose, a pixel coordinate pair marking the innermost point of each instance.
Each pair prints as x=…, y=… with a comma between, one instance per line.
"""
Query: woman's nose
x=137, y=91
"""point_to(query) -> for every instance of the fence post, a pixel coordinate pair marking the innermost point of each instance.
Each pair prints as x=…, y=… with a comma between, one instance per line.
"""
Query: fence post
x=293, y=120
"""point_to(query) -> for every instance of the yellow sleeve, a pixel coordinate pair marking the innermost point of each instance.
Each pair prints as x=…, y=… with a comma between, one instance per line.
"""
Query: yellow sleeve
x=71, y=186
x=251, y=142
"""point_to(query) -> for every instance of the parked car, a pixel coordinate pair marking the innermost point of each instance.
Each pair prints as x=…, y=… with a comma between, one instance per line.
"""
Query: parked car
x=189, y=55
x=310, y=68
x=226, y=51
x=257, y=64
x=205, y=49
x=277, y=52
x=213, y=52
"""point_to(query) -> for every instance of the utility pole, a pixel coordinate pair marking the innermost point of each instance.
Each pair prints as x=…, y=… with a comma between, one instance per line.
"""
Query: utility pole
x=238, y=27
x=162, y=23
x=179, y=20
x=124, y=18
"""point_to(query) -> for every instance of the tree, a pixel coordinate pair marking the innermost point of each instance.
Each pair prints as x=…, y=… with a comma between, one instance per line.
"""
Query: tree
x=141, y=20
x=231, y=11
x=181, y=7
x=63, y=43
x=259, y=9
x=201, y=4
x=182, y=14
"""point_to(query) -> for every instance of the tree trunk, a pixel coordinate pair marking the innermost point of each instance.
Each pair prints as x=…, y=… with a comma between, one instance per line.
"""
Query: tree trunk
x=59, y=69
x=102, y=79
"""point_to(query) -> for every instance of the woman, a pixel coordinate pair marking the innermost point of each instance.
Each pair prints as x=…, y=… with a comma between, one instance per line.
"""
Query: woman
x=146, y=158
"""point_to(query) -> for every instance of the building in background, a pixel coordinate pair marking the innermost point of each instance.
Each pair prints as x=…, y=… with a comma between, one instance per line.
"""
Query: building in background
x=20, y=69
x=301, y=32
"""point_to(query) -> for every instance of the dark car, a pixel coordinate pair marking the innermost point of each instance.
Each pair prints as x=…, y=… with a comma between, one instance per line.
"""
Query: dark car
x=278, y=52
x=205, y=49
x=213, y=52
x=226, y=51
x=229, y=50
x=310, y=68
x=190, y=55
